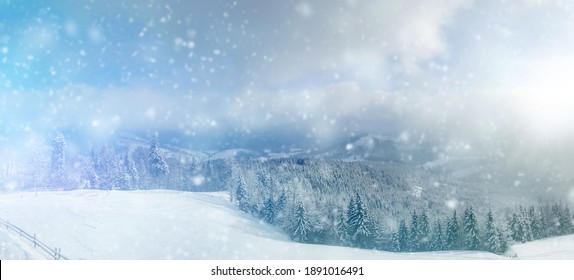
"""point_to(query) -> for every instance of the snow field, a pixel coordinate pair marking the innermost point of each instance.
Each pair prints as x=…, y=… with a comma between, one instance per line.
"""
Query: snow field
x=160, y=224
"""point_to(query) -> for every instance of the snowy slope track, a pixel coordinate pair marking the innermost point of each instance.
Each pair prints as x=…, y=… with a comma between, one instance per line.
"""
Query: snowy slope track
x=39, y=245
x=160, y=224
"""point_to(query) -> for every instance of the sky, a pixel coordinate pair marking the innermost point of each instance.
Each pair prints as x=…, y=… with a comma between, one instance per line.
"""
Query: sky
x=484, y=77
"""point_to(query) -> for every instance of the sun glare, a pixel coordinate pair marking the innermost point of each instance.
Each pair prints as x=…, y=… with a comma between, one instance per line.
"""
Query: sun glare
x=546, y=103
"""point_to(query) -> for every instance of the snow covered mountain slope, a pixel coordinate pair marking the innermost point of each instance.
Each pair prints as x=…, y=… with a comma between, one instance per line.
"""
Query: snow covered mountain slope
x=554, y=248
x=163, y=224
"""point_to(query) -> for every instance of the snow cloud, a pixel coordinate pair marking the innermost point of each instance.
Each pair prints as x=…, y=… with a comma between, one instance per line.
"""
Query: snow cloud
x=490, y=77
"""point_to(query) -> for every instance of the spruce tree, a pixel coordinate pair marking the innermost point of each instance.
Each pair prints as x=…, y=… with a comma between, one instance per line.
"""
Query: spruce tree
x=437, y=242
x=491, y=235
x=360, y=228
x=241, y=194
x=424, y=232
x=268, y=212
x=395, y=243
x=301, y=228
x=157, y=165
x=415, y=235
x=403, y=237
x=341, y=228
x=453, y=233
x=535, y=223
x=58, y=173
x=471, y=232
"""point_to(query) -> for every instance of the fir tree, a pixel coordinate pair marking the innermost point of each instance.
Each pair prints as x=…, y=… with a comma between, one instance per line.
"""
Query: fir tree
x=241, y=194
x=471, y=233
x=453, y=233
x=341, y=229
x=301, y=227
x=268, y=212
x=360, y=229
x=132, y=172
x=58, y=174
x=424, y=232
x=520, y=226
x=437, y=242
x=535, y=223
x=395, y=243
x=415, y=237
x=157, y=165
x=280, y=207
x=403, y=237
x=492, y=235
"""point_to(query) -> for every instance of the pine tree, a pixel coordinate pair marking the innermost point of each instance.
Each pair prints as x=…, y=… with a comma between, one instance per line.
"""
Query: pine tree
x=415, y=237
x=341, y=228
x=280, y=208
x=132, y=172
x=241, y=194
x=301, y=228
x=360, y=229
x=566, y=225
x=403, y=237
x=492, y=235
x=395, y=243
x=471, y=233
x=157, y=165
x=424, y=232
x=107, y=167
x=503, y=238
x=535, y=223
x=58, y=173
x=453, y=233
x=520, y=225
x=268, y=212
x=89, y=176
x=437, y=242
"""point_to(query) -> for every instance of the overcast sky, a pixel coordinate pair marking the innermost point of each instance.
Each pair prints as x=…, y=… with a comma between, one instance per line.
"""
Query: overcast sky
x=487, y=75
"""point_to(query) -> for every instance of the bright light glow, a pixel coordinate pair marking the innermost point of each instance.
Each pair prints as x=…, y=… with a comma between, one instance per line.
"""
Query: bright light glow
x=546, y=102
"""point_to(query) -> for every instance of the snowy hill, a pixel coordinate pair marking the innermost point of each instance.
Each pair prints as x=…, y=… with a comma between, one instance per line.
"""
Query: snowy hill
x=554, y=248
x=160, y=225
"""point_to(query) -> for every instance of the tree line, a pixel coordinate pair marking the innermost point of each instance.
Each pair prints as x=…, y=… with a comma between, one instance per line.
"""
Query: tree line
x=356, y=204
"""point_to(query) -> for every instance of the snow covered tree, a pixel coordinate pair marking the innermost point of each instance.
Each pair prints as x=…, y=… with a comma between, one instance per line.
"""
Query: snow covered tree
x=415, y=238
x=268, y=212
x=437, y=241
x=360, y=228
x=341, y=229
x=157, y=165
x=471, y=232
x=107, y=167
x=90, y=179
x=535, y=223
x=562, y=219
x=424, y=232
x=452, y=235
x=401, y=238
x=241, y=194
x=301, y=227
x=492, y=235
x=520, y=226
x=280, y=207
x=58, y=173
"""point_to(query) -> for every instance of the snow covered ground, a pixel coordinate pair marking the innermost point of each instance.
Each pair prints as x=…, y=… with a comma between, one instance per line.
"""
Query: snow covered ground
x=161, y=224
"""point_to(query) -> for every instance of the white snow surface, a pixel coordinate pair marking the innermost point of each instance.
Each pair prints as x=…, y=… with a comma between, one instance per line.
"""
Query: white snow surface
x=160, y=224
x=554, y=248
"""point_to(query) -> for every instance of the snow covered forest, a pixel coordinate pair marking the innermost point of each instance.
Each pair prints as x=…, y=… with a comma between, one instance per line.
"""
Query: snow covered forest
x=366, y=204
x=395, y=126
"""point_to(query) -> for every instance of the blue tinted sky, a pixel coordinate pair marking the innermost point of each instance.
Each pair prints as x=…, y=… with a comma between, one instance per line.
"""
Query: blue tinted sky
x=274, y=74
